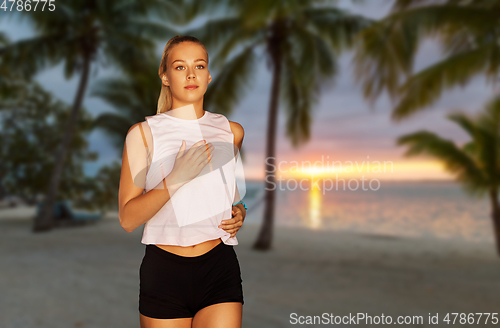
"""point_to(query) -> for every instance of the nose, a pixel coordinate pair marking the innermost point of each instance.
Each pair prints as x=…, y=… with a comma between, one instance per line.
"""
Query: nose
x=191, y=75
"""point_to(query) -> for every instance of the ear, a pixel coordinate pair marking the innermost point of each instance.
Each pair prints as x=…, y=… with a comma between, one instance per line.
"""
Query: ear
x=209, y=78
x=164, y=80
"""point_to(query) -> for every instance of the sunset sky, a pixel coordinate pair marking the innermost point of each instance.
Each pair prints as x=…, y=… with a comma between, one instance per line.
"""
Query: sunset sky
x=344, y=129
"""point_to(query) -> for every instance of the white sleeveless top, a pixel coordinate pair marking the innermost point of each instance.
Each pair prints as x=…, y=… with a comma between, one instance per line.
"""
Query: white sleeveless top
x=195, y=211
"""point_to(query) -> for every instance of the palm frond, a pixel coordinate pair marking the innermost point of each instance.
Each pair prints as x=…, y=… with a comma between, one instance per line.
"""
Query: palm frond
x=455, y=160
x=216, y=33
x=426, y=86
x=299, y=90
x=337, y=26
x=30, y=56
x=386, y=51
x=239, y=39
x=116, y=92
x=384, y=56
x=465, y=122
x=115, y=126
x=196, y=8
x=149, y=29
x=226, y=90
x=314, y=60
x=4, y=39
x=485, y=145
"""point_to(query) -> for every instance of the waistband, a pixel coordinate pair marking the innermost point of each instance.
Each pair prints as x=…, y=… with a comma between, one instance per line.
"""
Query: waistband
x=187, y=259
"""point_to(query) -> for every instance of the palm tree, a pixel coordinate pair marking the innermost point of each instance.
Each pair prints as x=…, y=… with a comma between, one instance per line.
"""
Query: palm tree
x=32, y=123
x=134, y=96
x=469, y=35
x=79, y=33
x=301, y=42
x=476, y=164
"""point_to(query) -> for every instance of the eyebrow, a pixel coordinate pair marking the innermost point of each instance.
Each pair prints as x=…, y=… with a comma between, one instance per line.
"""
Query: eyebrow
x=197, y=60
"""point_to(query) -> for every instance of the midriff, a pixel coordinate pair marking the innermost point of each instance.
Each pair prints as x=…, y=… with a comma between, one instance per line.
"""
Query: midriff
x=195, y=250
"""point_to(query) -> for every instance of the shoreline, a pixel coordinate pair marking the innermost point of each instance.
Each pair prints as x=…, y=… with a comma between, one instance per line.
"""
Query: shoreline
x=430, y=244
x=88, y=276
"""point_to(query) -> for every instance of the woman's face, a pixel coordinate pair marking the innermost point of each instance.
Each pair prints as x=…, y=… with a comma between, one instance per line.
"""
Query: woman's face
x=187, y=65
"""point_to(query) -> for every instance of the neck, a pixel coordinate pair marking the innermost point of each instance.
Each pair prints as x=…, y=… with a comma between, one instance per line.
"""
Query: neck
x=197, y=106
x=187, y=112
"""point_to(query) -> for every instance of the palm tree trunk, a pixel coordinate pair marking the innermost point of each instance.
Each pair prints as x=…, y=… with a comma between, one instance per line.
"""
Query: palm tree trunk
x=45, y=219
x=495, y=215
x=3, y=192
x=265, y=236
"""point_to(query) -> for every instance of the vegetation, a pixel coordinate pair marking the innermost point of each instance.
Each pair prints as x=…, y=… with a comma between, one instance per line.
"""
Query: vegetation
x=81, y=33
x=467, y=32
x=476, y=164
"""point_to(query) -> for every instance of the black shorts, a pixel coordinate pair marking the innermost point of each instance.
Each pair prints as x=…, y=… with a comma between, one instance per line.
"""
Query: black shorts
x=174, y=286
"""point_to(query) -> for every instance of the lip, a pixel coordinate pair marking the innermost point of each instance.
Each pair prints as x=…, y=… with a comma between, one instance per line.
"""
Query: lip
x=191, y=87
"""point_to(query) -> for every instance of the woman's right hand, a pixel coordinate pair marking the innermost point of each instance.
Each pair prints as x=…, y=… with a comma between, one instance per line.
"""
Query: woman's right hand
x=188, y=164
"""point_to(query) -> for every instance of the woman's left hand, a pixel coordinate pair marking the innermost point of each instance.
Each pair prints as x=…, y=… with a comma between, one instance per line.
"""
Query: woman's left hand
x=233, y=225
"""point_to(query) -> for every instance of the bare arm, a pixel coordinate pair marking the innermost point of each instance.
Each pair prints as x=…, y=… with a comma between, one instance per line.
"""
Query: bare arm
x=136, y=207
x=239, y=134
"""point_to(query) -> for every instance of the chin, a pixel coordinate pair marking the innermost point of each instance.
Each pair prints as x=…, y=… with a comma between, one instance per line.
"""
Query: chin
x=194, y=95
x=191, y=100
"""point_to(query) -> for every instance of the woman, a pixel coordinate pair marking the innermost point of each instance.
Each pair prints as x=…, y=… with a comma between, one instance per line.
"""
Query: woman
x=190, y=274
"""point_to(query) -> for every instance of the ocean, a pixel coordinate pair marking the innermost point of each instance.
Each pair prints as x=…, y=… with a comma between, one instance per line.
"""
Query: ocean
x=439, y=209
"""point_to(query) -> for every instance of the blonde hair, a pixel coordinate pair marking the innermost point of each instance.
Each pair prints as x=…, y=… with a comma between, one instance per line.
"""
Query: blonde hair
x=165, y=99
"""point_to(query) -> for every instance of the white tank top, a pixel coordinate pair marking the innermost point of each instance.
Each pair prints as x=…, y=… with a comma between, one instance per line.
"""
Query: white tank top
x=195, y=211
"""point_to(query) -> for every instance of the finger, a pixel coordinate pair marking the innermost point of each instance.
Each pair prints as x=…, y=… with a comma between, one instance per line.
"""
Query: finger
x=224, y=226
x=196, y=146
x=230, y=226
x=238, y=217
x=181, y=149
x=204, y=154
x=207, y=149
x=203, y=147
x=199, y=143
x=206, y=161
x=228, y=221
x=233, y=230
x=236, y=225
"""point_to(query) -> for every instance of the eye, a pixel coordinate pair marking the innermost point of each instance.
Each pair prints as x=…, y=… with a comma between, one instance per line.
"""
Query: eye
x=202, y=67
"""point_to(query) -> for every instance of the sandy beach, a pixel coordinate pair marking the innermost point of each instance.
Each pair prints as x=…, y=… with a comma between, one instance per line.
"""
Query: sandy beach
x=89, y=276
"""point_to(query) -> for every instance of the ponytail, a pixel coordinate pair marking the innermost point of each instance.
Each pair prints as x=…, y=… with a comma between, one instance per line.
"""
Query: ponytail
x=165, y=99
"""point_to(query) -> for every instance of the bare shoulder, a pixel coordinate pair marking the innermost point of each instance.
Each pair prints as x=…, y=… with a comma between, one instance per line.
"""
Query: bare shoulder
x=238, y=131
x=237, y=128
x=139, y=129
x=133, y=133
x=139, y=134
x=135, y=128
